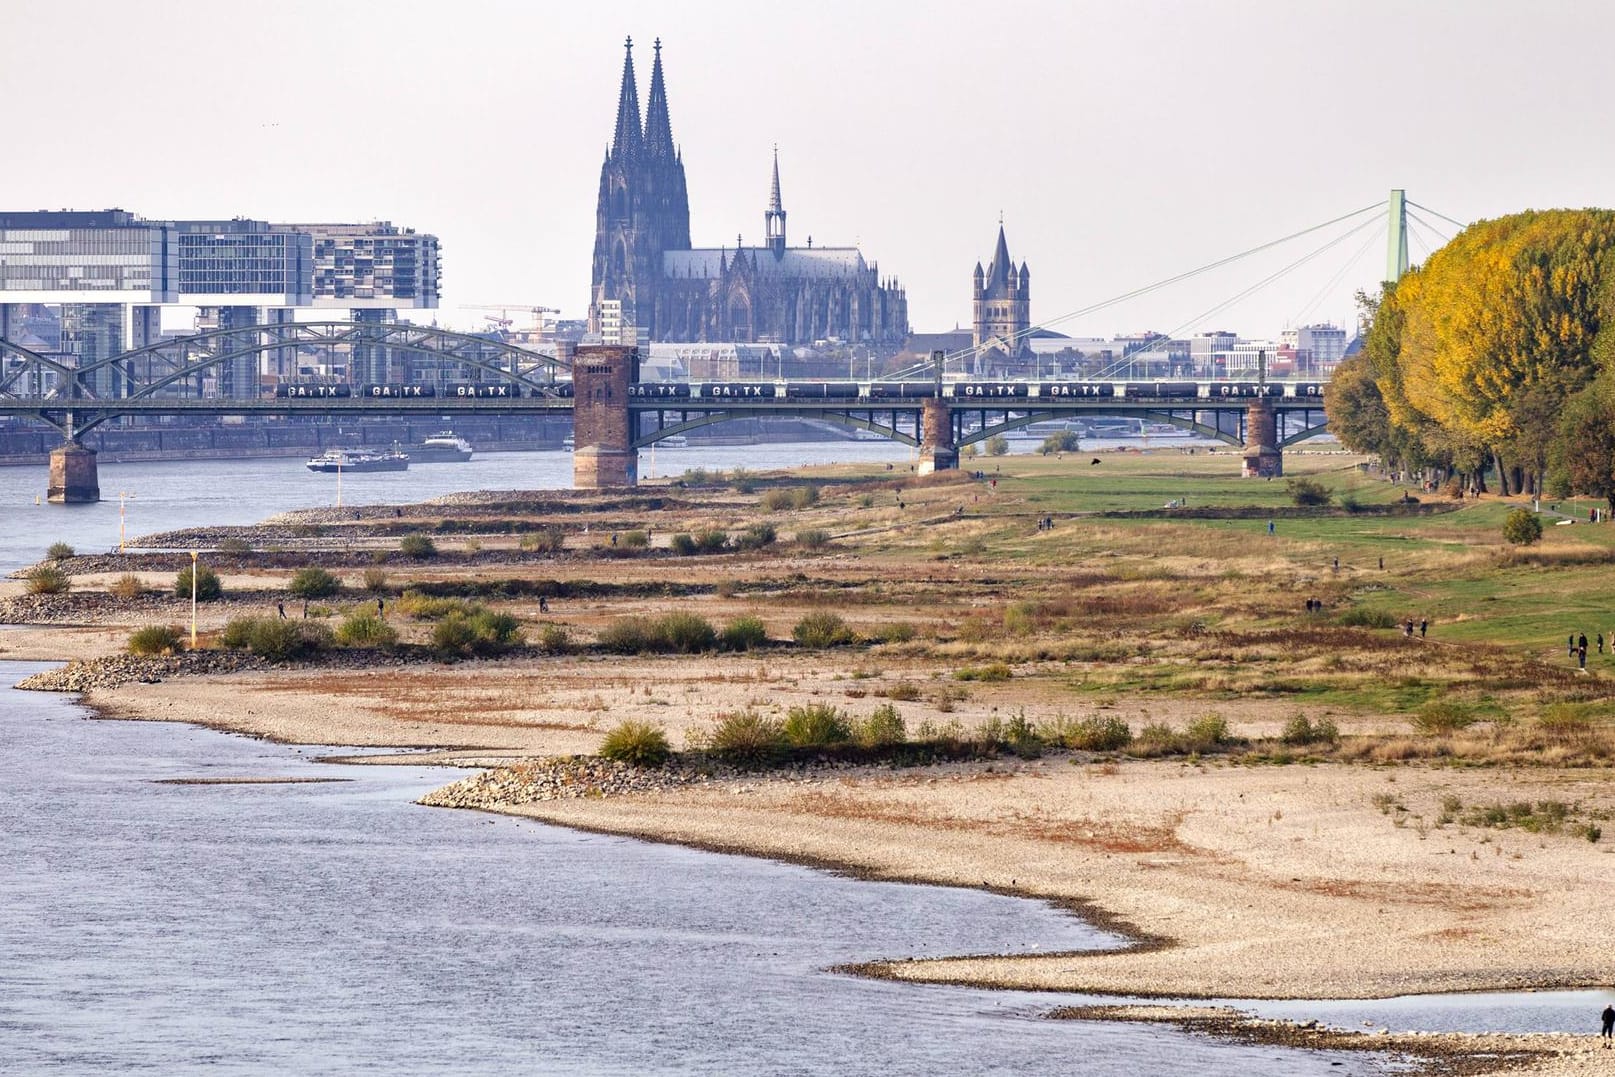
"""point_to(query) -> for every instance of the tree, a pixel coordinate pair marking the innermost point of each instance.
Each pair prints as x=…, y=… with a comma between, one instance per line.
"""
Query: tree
x=1584, y=453
x=1522, y=528
x=314, y=582
x=208, y=588
x=997, y=445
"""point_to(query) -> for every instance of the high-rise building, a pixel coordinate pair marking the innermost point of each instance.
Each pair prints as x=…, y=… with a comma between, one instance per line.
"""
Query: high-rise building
x=669, y=290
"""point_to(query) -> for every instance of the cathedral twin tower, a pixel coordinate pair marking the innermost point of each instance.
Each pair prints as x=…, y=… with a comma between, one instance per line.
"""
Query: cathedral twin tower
x=649, y=283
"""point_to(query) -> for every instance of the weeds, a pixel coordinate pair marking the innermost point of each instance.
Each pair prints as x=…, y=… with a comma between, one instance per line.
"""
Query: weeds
x=154, y=639
x=639, y=744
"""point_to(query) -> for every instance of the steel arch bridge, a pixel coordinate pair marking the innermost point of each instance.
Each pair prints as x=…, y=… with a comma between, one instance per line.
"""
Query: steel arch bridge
x=192, y=373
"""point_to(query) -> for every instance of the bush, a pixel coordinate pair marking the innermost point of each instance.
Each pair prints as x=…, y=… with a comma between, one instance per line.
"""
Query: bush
x=127, y=586
x=883, y=728
x=627, y=635
x=776, y=500
x=743, y=634
x=1521, y=527
x=1206, y=732
x=742, y=480
x=997, y=445
x=1062, y=442
x=375, y=580
x=822, y=629
x=639, y=744
x=549, y=540
x=46, y=579
x=59, y=551
x=636, y=540
x=685, y=633
x=682, y=544
x=811, y=538
x=553, y=639
x=423, y=608
x=275, y=639
x=816, y=725
x=481, y=632
x=996, y=671
x=417, y=547
x=1442, y=716
x=756, y=537
x=234, y=545
x=1300, y=731
x=208, y=588
x=1021, y=737
x=711, y=540
x=1359, y=617
x=365, y=629
x=747, y=738
x=154, y=639
x=1094, y=734
x=894, y=632
x=314, y=582
x=1308, y=492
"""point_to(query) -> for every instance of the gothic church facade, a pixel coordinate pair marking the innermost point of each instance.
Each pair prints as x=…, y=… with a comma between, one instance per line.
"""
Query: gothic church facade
x=647, y=273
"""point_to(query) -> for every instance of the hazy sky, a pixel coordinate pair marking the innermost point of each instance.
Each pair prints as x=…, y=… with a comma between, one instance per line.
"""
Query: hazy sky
x=1124, y=141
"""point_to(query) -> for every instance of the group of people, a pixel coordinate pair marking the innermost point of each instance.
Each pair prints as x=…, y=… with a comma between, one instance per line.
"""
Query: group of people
x=1046, y=524
x=1576, y=647
x=1408, y=626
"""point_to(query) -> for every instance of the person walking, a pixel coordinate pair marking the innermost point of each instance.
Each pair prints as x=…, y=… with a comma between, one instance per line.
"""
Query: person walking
x=1608, y=1018
x=1424, y=626
x=1570, y=646
x=1581, y=654
x=381, y=607
x=1600, y=643
x=1270, y=527
x=280, y=608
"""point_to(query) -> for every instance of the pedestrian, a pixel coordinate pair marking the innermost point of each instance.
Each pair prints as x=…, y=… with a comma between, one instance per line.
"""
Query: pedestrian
x=1570, y=646
x=1581, y=643
x=280, y=607
x=1581, y=656
x=1382, y=564
x=1608, y=1018
x=1270, y=527
x=1407, y=628
x=614, y=538
x=305, y=609
x=543, y=604
x=1600, y=643
x=381, y=607
x=1337, y=564
x=1424, y=626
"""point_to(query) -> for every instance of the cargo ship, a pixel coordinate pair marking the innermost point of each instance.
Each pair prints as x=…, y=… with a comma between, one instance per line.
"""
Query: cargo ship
x=337, y=460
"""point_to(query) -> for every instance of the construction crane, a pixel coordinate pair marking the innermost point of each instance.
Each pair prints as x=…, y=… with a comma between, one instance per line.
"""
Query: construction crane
x=504, y=321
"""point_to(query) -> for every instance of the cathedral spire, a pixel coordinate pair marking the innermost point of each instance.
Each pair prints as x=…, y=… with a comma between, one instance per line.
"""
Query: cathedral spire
x=658, y=128
x=627, y=140
x=774, y=215
x=1000, y=270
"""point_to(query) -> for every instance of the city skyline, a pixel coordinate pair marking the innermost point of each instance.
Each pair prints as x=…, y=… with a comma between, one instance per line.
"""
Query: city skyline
x=1122, y=146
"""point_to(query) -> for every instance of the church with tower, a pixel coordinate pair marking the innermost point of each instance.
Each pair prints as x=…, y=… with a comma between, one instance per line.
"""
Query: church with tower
x=1002, y=304
x=649, y=282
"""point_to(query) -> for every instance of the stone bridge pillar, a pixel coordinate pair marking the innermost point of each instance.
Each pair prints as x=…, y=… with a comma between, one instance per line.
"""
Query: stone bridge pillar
x=73, y=479
x=1263, y=460
x=937, y=451
x=603, y=452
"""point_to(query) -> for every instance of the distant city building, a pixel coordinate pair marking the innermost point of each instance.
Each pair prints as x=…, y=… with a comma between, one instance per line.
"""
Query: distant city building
x=670, y=290
x=1318, y=348
x=1001, y=304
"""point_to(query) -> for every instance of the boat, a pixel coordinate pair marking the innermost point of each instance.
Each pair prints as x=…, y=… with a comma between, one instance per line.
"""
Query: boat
x=568, y=443
x=339, y=460
x=444, y=447
x=672, y=441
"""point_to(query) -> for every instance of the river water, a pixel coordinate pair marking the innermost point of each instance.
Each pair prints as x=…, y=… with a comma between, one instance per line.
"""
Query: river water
x=338, y=928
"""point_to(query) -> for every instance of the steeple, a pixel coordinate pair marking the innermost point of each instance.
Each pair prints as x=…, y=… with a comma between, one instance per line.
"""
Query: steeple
x=774, y=216
x=627, y=142
x=658, y=128
x=1000, y=270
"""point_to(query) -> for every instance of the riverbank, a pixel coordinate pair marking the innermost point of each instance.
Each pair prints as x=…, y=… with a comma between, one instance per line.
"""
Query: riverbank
x=1364, y=865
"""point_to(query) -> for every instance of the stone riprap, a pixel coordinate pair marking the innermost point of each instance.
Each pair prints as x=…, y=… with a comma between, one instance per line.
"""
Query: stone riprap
x=558, y=778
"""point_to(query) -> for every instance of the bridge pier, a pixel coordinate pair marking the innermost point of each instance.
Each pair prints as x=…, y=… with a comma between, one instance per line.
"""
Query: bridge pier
x=1263, y=460
x=73, y=478
x=603, y=453
x=937, y=450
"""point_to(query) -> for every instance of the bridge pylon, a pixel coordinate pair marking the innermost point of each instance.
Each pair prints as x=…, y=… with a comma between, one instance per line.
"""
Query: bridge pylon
x=603, y=453
x=1263, y=458
x=73, y=476
x=937, y=450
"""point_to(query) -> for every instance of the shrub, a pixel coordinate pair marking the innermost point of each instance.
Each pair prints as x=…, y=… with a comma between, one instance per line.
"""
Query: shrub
x=423, y=608
x=812, y=538
x=639, y=744
x=883, y=727
x=997, y=445
x=804, y=497
x=742, y=480
x=127, y=586
x=1442, y=716
x=481, y=632
x=275, y=639
x=375, y=580
x=46, y=579
x=1206, y=732
x=234, y=545
x=815, y=726
x=549, y=540
x=453, y=637
x=154, y=639
x=682, y=544
x=744, y=634
x=553, y=639
x=627, y=635
x=756, y=537
x=893, y=632
x=636, y=540
x=1157, y=738
x=417, y=547
x=364, y=629
x=822, y=629
x=1062, y=442
x=1360, y=617
x=997, y=671
x=314, y=582
x=1308, y=492
x=776, y=500
x=747, y=738
x=904, y=691
x=59, y=551
x=1521, y=527
x=1094, y=734
x=208, y=588
x=711, y=540
x=684, y=633
x=1021, y=737
x=1299, y=731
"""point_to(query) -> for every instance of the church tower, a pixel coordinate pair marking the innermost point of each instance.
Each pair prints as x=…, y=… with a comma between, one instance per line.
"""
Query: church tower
x=1002, y=307
x=774, y=216
x=643, y=208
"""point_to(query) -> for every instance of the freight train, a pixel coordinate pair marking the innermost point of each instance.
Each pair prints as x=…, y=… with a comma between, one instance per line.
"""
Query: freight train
x=851, y=391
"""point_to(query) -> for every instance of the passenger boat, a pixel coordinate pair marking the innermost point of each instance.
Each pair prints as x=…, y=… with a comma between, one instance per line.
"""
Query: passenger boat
x=444, y=447
x=337, y=460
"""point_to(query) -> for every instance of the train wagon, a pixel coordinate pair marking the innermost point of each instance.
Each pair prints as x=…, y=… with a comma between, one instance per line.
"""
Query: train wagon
x=901, y=390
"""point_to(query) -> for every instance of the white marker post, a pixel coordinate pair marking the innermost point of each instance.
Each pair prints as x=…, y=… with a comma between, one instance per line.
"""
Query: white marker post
x=193, y=600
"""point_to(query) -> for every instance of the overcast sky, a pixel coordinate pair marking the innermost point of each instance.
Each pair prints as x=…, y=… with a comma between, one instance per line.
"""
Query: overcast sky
x=1124, y=141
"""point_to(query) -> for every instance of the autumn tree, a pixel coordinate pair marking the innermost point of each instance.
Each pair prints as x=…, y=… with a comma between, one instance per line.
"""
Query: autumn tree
x=1584, y=454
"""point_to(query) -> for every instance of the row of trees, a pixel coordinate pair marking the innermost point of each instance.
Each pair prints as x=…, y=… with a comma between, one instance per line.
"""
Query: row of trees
x=1498, y=352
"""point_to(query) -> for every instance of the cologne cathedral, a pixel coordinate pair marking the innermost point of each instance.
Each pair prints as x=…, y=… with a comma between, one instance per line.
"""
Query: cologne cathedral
x=650, y=283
